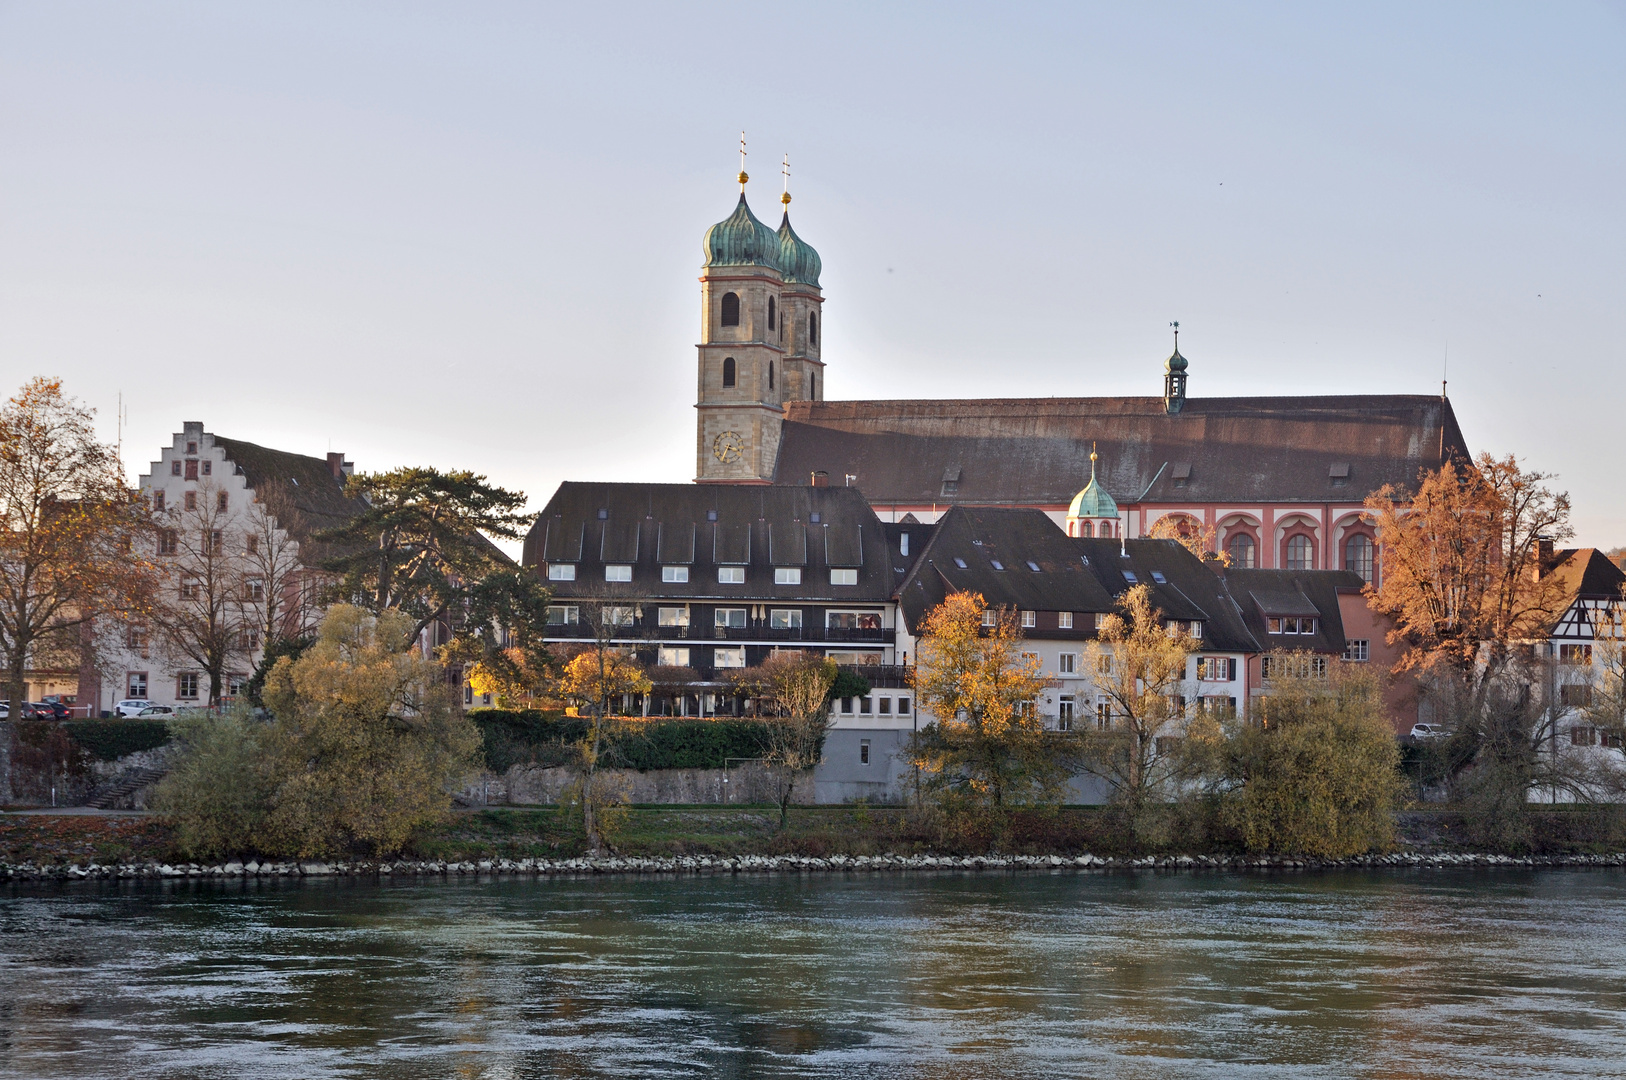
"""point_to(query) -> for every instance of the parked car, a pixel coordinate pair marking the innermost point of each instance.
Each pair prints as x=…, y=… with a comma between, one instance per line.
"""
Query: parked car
x=62, y=710
x=155, y=710
x=29, y=711
x=1428, y=731
x=54, y=710
x=131, y=707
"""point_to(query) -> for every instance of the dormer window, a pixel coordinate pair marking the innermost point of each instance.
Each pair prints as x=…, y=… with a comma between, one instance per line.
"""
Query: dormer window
x=731, y=309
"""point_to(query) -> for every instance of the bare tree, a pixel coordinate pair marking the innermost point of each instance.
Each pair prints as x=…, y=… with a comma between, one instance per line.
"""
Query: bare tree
x=273, y=572
x=207, y=609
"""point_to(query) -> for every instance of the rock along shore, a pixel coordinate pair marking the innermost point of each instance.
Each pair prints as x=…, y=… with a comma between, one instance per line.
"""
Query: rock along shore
x=750, y=864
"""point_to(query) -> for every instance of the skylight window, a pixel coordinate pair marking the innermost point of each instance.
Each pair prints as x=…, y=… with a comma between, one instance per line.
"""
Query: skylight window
x=1033, y=566
x=1157, y=576
x=959, y=562
x=1129, y=576
x=997, y=564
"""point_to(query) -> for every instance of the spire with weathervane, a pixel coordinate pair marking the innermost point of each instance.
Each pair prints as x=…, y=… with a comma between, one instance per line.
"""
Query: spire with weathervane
x=1174, y=377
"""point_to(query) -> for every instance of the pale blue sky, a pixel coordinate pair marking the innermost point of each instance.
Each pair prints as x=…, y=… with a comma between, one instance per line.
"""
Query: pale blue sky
x=468, y=235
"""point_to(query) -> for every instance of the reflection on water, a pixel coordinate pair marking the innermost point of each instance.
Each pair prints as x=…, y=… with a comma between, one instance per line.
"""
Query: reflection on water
x=1421, y=974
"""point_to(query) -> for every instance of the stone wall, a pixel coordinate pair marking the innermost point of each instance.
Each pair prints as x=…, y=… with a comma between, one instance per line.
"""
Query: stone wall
x=535, y=785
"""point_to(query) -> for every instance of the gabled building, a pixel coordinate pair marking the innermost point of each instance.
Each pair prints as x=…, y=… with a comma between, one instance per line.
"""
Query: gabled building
x=235, y=539
x=1584, y=642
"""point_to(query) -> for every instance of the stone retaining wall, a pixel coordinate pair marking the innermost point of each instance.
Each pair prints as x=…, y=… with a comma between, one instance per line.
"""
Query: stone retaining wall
x=534, y=785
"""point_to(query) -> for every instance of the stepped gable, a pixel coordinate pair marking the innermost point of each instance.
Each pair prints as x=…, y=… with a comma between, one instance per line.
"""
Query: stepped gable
x=1035, y=451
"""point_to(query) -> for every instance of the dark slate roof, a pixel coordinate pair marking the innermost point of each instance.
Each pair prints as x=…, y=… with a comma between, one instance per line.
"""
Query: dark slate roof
x=760, y=528
x=1077, y=575
x=307, y=482
x=1260, y=594
x=1036, y=451
x=1088, y=575
x=1587, y=573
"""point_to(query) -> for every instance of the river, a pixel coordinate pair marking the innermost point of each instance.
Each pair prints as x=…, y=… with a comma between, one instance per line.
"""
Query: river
x=1410, y=974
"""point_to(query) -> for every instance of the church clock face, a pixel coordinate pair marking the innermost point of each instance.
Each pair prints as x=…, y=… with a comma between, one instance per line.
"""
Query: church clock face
x=728, y=447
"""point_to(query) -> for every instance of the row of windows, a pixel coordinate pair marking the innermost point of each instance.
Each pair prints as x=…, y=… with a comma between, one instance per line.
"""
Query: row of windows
x=187, y=685
x=189, y=469
x=722, y=618
x=189, y=501
x=1290, y=626
x=169, y=543
x=726, y=575
x=1360, y=554
x=1064, y=621
x=731, y=316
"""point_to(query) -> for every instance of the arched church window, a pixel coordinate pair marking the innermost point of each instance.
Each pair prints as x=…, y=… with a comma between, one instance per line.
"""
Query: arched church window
x=812, y=328
x=728, y=371
x=772, y=316
x=1240, y=549
x=1085, y=529
x=1358, y=556
x=770, y=374
x=1300, y=553
x=731, y=309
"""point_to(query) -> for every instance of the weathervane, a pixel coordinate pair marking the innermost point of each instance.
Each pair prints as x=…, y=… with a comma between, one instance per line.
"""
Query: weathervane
x=743, y=176
x=1176, y=325
x=785, y=168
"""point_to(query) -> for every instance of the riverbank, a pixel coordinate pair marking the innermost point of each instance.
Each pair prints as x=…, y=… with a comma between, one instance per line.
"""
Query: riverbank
x=748, y=839
x=761, y=864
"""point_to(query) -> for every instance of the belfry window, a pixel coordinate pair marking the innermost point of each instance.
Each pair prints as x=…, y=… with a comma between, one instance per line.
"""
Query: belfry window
x=812, y=328
x=770, y=374
x=728, y=371
x=773, y=316
x=731, y=309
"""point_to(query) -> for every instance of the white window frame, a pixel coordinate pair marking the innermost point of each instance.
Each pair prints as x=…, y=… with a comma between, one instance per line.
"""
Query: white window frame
x=719, y=621
x=672, y=616
x=673, y=656
x=1067, y=663
x=792, y=621
x=843, y=576
x=561, y=571
x=1064, y=620
x=787, y=575
x=618, y=572
x=726, y=657
x=675, y=574
x=731, y=575
x=1030, y=618
x=572, y=614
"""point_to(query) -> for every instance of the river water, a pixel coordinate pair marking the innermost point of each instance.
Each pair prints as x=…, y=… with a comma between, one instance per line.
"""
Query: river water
x=1395, y=974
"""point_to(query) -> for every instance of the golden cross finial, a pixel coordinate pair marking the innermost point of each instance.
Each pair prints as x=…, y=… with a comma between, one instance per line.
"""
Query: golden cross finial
x=785, y=168
x=743, y=176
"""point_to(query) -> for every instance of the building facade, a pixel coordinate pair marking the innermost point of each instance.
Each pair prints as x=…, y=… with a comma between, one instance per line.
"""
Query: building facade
x=234, y=540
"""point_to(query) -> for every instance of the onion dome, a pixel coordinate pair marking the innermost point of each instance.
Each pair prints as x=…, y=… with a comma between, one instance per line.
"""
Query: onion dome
x=742, y=240
x=797, y=260
x=1093, y=501
x=1176, y=362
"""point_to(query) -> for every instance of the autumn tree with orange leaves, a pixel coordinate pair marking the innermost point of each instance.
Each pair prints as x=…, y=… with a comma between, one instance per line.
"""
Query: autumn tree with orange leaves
x=72, y=543
x=989, y=747
x=1463, y=580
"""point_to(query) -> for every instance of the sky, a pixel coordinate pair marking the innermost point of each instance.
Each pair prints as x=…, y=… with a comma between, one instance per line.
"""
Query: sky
x=468, y=235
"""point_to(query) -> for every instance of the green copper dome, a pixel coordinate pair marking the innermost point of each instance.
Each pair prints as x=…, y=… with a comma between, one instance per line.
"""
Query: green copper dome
x=797, y=259
x=742, y=240
x=1093, y=501
x=1175, y=362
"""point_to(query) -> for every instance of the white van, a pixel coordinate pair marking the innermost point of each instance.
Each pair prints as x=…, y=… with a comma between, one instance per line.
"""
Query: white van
x=131, y=707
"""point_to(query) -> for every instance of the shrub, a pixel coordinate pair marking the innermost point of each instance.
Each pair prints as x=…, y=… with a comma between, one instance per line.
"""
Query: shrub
x=515, y=737
x=109, y=740
x=221, y=786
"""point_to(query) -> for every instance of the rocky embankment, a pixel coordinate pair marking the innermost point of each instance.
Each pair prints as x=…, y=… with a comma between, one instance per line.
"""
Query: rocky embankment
x=748, y=864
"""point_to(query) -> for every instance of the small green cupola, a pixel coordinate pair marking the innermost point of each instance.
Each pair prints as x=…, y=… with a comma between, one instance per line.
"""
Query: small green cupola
x=1092, y=512
x=742, y=240
x=1174, y=377
x=798, y=262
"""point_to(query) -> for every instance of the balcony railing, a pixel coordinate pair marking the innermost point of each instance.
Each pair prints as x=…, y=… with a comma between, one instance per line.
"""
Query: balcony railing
x=650, y=631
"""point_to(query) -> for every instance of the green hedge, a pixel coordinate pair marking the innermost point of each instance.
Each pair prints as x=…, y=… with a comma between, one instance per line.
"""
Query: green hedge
x=109, y=740
x=513, y=737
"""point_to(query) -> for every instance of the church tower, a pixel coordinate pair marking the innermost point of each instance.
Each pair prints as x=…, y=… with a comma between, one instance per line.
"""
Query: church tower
x=759, y=342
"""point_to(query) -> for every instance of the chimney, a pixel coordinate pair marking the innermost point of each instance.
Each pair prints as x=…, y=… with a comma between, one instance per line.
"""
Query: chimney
x=335, y=464
x=1544, y=557
x=820, y=478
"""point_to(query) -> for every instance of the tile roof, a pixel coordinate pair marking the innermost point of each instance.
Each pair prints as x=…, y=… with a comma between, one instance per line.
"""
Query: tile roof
x=1035, y=451
x=1587, y=573
x=307, y=482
